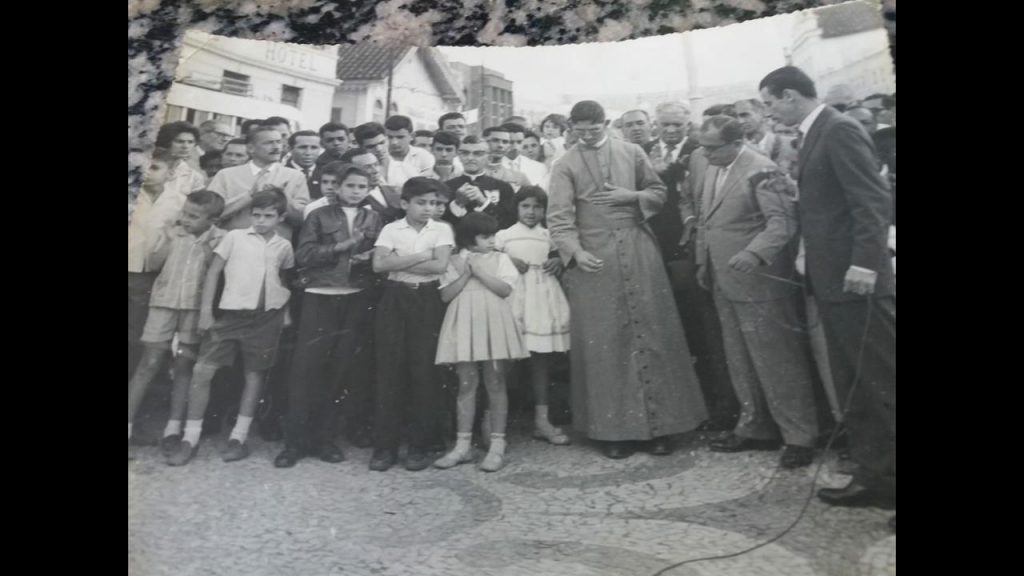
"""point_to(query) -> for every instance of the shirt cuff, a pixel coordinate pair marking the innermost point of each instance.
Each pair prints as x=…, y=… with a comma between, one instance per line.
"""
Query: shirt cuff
x=865, y=270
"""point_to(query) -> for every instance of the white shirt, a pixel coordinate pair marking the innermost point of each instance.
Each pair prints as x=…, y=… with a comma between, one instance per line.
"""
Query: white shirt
x=805, y=126
x=254, y=264
x=417, y=162
x=350, y=215
x=404, y=240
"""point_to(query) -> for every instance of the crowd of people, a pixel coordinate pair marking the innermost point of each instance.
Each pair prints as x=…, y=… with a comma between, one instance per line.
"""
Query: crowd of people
x=734, y=274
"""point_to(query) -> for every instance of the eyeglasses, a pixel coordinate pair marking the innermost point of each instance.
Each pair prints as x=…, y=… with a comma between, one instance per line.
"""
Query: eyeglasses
x=474, y=153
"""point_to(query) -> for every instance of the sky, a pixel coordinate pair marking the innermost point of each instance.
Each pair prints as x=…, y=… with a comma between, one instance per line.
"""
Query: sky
x=737, y=53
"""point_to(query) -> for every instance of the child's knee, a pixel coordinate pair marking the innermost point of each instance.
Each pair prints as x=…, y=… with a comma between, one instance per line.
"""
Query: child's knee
x=202, y=374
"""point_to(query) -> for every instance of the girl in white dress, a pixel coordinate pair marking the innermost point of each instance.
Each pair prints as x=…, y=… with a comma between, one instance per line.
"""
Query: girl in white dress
x=479, y=331
x=538, y=302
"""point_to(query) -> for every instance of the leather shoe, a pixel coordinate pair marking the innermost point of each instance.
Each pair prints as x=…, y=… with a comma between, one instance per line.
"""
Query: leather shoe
x=416, y=461
x=796, y=456
x=382, y=460
x=287, y=458
x=617, y=450
x=857, y=495
x=734, y=443
x=331, y=454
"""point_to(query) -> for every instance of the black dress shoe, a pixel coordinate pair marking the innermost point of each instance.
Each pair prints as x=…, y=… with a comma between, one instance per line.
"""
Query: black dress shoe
x=382, y=460
x=417, y=460
x=660, y=446
x=796, y=456
x=617, y=450
x=857, y=495
x=892, y=523
x=734, y=443
x=331, y=454
x=270, y=430
x=288, y=457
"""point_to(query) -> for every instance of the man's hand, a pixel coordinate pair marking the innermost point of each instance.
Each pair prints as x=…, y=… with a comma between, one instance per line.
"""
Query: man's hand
x=472, y=193
x=860, y=281
x=612, y=195
x=703, y=279
x=744, y=261
x=588, y=262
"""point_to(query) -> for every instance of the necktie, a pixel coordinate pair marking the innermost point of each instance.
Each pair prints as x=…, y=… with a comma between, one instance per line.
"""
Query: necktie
x=668, y=153
x=719, y=182
x=261, y=180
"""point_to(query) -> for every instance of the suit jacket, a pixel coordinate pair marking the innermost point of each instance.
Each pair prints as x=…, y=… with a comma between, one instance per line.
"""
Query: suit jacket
x=742, y=217
x=390, y=211
x=309, y=178
x=504, y=209
x=845, y=207
x=667, y=225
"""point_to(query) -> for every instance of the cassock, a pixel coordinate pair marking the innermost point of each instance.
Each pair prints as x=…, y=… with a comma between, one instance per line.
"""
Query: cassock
x=632, y=373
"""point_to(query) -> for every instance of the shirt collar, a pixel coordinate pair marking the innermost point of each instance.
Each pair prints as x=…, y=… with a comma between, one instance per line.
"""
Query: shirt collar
x=805, y=126
x=251, y=231
x=256, y=169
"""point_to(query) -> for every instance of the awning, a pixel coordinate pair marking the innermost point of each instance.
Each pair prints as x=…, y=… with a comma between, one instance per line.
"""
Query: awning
x=228, y=104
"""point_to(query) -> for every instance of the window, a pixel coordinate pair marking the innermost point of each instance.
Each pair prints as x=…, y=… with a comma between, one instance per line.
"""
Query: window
x=291, y=95
x=235, y=83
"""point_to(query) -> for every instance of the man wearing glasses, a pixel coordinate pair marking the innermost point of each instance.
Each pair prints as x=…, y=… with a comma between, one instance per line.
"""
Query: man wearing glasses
x=633, y=382
x=475, y=191
x=214, y=135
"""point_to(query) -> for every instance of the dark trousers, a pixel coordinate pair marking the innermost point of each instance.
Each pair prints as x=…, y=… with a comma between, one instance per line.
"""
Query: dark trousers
x=330, y=362
x=140, y=287
x=704, y=335
x=407, y=325
x=871, y=409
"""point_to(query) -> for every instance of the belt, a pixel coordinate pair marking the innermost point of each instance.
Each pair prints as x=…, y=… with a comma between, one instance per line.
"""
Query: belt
x=412, y=285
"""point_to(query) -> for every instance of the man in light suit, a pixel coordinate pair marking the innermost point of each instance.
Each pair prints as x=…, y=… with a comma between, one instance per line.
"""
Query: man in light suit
x=745, y=254
x=845, y=211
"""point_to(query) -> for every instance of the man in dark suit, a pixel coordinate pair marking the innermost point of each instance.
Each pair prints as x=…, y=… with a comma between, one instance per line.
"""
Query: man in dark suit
x=845, y=211
x=673, y=228
x=745, y=245
x=476, y=191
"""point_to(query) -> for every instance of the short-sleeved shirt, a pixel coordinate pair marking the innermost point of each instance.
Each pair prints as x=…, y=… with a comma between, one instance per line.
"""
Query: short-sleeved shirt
x=254, y=265
x=402, y=239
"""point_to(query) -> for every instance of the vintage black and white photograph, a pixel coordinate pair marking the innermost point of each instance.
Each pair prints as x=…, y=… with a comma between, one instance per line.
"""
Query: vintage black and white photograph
x=612, y=309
